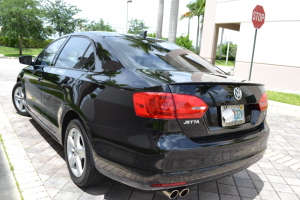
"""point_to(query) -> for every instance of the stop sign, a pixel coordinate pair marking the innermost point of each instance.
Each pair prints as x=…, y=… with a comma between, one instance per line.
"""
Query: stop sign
x=258, y=16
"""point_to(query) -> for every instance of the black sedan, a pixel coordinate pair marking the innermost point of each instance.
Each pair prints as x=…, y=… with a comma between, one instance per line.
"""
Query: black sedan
x=142, y=111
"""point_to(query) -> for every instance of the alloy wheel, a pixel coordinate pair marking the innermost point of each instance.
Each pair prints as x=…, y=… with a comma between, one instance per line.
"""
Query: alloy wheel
x=76, y=152
x=19, y=99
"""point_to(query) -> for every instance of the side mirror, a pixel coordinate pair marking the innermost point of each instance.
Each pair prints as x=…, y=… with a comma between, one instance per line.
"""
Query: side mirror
x=27, y=60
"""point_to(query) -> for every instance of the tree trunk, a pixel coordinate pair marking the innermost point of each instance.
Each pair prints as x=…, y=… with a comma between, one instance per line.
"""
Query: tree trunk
x=173, y=21
x=197, y=40
x=189, y=27
x=200, y=37
x=160, y=17
x=21, y=45
x=221, y=44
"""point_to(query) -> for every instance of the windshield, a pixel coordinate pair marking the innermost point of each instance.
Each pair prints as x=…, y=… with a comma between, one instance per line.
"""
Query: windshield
x=152, y=54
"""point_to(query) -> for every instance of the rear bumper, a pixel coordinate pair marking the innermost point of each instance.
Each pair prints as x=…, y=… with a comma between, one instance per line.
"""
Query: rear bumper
x=223, y=160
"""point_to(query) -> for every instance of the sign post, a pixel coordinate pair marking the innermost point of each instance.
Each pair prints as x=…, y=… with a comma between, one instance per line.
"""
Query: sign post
x=258, y=19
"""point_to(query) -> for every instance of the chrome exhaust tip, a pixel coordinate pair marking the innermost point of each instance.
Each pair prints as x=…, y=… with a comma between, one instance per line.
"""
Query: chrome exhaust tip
x=184, y=192
x=172, y=194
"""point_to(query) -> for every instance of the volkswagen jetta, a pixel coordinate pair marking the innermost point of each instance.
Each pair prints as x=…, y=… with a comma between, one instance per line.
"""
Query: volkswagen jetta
x=142, y=111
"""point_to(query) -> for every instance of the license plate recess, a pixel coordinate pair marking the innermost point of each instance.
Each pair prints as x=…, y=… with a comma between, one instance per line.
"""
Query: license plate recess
x=232, y=115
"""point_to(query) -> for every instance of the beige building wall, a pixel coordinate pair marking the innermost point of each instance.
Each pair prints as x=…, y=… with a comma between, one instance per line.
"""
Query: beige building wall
x=276, y=59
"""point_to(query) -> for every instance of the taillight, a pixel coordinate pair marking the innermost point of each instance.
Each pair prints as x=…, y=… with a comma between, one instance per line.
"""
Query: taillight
x=160, y=105
x=154, y=105
x=188, y=106
x=263, y=102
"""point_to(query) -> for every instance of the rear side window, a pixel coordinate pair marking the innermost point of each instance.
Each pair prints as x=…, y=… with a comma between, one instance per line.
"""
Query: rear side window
x=72, y=53
x=87, y=60
x=47, y=55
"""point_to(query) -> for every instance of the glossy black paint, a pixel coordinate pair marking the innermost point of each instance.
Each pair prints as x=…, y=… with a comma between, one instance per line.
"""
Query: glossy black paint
x=141, y=151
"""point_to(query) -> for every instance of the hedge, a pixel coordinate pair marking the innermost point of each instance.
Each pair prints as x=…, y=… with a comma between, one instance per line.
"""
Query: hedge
x=27, y=43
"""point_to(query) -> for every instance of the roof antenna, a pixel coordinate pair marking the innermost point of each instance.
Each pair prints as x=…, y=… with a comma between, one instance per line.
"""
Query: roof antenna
x=143, y=34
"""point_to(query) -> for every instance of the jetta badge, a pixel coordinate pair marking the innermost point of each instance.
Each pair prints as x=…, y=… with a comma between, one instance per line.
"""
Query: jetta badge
x=237, y=93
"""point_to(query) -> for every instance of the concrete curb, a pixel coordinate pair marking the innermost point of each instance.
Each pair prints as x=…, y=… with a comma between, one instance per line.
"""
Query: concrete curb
x=5, y=57
x=9, y=189
x=2, y=56
x=24, y=171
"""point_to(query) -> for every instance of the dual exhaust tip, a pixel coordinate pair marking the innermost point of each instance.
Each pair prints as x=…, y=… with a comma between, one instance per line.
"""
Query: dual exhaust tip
x=173, y=193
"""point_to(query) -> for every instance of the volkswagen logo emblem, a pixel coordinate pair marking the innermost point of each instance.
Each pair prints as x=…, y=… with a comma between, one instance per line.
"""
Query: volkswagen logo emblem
x=237, y=93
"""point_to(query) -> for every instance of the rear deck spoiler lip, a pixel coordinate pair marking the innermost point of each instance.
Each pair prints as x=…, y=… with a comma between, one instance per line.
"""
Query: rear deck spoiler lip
x=217, y=83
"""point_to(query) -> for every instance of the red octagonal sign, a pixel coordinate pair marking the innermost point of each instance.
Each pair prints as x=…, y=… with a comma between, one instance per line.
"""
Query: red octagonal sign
x=258, y=16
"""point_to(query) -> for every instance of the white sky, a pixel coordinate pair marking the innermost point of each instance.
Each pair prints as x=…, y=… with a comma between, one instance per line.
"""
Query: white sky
x=114, y=12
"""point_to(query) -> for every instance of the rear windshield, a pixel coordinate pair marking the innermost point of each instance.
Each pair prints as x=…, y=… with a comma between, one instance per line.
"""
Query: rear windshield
x=152, y=54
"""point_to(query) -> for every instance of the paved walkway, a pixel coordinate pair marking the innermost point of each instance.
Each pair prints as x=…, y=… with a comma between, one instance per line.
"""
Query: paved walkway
x=41, y=171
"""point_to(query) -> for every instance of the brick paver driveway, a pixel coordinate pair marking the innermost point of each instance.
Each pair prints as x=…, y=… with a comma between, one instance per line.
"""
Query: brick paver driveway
x=41, y=171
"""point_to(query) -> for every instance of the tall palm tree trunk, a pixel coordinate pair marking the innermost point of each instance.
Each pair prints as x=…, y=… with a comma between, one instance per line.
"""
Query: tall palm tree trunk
x=220, y=45
x=173, y=21
x=160, y=17
x=197, y=40
x=200, y=37
x=189, y=27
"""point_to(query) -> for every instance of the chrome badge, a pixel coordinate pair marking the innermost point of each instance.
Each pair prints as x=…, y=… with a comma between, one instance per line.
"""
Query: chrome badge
x=237, y=93
x=191, y=122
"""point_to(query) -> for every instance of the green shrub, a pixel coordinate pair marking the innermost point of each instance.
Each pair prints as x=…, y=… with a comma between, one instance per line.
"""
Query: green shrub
x=153, y=35
x=9, y=42
x=27, y=42
x=185, y=42
x=231, y=58
x=232, y=51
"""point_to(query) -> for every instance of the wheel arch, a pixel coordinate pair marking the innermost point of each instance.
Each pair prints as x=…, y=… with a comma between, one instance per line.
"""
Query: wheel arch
x=70, y=115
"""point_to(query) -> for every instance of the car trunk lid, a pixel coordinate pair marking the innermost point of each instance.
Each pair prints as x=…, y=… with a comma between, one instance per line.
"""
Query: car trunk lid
x=228, y=112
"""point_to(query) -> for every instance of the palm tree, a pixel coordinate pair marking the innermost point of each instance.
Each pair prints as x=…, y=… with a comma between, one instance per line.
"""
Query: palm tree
x=189, y=16
x=160, y=17
x=173, y=21
x=197, y=8
x=220, y=45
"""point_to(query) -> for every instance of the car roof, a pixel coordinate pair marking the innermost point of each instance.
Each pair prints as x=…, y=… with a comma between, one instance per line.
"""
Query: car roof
x=96, y=34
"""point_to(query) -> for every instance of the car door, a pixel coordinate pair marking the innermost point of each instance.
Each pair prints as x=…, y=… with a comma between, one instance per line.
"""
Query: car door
x=58, y=81
x=32, y=79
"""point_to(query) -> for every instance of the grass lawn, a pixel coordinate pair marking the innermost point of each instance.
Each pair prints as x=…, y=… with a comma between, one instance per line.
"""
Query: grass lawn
x=14, y=52
x=293, y=99
x=223, y=63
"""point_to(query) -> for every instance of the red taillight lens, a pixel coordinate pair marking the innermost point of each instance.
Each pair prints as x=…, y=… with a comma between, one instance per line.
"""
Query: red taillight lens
x=168, y=106
x=154, y=105
x=263, y=102
x=188, y=106
x=168, y=184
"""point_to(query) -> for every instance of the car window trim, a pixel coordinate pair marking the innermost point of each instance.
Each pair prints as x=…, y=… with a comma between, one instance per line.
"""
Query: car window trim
x=84, y=53
x=60, y=50
x=54, y=58
x=93, y=65
x=91, y=45
x=106, y=44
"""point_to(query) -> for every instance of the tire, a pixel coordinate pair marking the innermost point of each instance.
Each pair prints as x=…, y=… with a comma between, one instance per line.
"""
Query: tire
x=18, y=99
x=79, y=157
